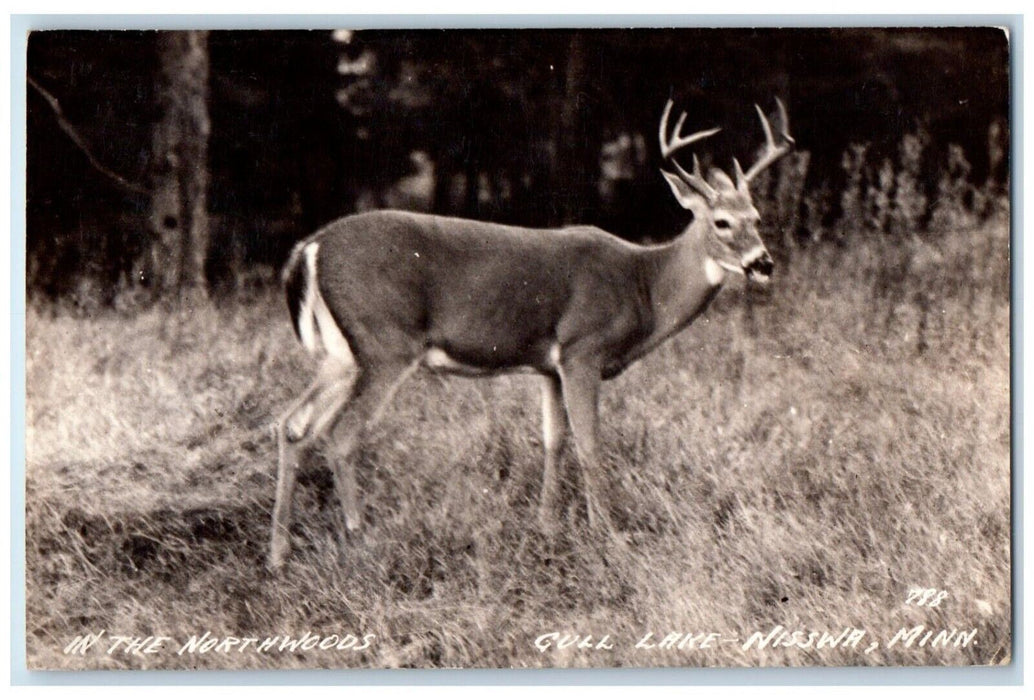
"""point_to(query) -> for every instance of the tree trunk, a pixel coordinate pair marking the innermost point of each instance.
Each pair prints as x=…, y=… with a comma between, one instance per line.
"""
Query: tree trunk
x=179, y=212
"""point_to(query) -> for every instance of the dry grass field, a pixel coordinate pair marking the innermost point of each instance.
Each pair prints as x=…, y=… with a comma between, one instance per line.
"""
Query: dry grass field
x=804, y=466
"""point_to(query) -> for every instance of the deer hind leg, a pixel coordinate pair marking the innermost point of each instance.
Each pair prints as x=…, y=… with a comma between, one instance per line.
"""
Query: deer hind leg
x=554, y=426
x=294, y=432
x=581, y=395
x=372, y=392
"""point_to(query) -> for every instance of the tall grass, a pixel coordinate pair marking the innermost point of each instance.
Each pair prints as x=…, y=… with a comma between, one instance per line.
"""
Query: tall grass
x=808, y=470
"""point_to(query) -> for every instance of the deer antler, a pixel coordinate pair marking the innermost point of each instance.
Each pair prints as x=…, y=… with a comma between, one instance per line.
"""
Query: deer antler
x=669, y=146
x=773, y=151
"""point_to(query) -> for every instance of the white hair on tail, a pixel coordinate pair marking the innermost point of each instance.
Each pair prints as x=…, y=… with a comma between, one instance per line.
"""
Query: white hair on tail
x=316, y=325
x=306, y=319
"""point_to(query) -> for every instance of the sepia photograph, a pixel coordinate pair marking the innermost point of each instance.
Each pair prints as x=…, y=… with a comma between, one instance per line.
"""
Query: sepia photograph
x=671, y=347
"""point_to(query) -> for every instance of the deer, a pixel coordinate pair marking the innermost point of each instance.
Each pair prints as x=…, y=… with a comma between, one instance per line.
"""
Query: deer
x=382, y=294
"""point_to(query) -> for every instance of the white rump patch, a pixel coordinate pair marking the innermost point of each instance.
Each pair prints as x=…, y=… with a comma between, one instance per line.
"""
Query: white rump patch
x=316, y=324
x=333, y=339
x=306, y=320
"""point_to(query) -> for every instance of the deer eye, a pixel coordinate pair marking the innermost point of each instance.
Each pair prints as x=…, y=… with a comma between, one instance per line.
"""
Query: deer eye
x=723, y=223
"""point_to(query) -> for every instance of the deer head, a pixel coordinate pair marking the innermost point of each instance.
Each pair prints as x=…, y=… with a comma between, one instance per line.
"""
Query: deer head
x=723, y=206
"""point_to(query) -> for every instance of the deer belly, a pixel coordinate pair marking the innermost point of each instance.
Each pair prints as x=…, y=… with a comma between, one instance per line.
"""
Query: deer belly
x=439, y=361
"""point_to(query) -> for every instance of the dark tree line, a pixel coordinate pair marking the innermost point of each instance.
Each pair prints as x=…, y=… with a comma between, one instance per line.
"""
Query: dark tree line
x=218, y=149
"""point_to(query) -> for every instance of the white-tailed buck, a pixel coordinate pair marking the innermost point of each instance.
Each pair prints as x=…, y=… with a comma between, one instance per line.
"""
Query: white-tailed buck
x=383, y=293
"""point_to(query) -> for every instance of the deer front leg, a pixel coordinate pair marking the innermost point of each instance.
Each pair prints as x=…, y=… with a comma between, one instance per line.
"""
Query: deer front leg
x=554, y=426
x=580, y=383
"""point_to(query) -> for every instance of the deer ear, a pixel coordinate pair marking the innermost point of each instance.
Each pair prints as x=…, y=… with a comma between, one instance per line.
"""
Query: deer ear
x=687, y=197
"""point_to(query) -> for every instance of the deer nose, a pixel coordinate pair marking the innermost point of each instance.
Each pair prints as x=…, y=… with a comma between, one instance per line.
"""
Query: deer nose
x=764, y=265
x=759, y=261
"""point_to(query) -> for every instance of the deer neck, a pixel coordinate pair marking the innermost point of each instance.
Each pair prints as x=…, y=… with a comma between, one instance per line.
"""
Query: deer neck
x=686, y=277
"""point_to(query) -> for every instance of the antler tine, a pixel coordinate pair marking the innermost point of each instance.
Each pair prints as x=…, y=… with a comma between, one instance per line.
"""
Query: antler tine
x=668, y=148
x=773, y=151
x=696, y=180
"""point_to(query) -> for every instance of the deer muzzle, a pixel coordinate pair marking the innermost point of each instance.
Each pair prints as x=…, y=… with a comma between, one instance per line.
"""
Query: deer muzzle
x=758, y=265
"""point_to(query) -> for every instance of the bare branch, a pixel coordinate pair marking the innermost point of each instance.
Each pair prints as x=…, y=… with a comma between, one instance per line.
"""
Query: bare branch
x=79, y=141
